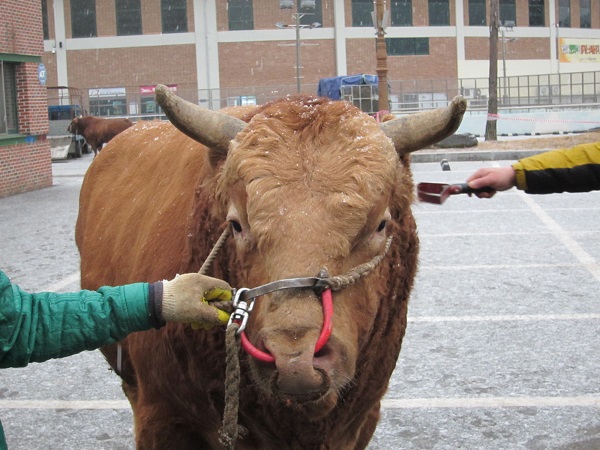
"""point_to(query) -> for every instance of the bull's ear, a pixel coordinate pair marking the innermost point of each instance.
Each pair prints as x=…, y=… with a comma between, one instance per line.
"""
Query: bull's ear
x=211, y=128
x=420, y=130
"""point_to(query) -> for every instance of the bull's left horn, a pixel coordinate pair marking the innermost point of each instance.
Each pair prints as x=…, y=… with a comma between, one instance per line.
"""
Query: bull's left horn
x=420, y=130
x=211, y=128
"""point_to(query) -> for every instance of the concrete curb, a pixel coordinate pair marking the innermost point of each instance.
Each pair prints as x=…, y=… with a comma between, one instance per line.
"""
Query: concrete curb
x=428, y=156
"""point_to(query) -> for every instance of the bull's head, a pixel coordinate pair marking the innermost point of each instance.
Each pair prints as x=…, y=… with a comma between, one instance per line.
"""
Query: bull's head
x=310, y=184
x=72, y=128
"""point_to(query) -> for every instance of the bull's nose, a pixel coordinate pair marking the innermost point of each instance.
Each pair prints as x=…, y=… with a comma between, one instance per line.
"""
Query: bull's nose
x=299, y=372
x=298, y=377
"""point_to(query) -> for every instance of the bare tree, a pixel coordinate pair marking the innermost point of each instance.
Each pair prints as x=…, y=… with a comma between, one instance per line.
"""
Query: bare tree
x=490, y=126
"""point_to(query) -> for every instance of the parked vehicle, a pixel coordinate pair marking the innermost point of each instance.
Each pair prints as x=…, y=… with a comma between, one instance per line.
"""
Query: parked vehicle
x=64, y=144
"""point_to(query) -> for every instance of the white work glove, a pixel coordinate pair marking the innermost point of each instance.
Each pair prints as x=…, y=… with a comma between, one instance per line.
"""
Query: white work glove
x=186, y=299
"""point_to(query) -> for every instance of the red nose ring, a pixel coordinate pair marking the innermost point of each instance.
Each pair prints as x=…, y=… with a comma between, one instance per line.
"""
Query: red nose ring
x=327, y=300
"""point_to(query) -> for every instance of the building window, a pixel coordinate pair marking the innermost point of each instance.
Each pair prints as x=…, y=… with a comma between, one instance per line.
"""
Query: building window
x=8, y=99
x=402, y=14
x=585, y=14
x=439, y=12
x=477, y=12
x=83, y=18
x=174, y=16
x=537, y=14
x=508, y=12
x=240, y=14
x=564, y=13
x=45, y=19
x=129, y=17
x=361, y=13
x=311, y=15
x=407, y=46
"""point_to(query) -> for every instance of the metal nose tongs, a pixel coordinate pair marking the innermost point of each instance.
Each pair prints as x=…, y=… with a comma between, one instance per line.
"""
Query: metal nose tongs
x=243, y=298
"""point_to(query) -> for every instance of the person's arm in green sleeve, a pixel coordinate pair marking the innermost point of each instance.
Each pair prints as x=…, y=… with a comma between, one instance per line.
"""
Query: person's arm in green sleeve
x=37, y=327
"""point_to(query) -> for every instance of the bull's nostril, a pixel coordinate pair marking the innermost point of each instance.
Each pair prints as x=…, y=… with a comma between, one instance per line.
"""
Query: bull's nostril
x=323, y=352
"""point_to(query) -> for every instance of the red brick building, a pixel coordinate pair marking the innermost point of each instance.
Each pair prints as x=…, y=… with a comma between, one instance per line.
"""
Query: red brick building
x=222, y=51
x=24, y=151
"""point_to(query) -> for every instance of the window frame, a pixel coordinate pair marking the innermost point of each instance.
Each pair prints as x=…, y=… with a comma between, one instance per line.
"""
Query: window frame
x=397, y=8
x=45, y=28
x=564, y=13
x=508, y=11
x=361, y=16
x=128, y=12
x=85, y=30
x=398, y=46
x=245, y=15
x=585, y=14
x=311, y=15
x=439, y=13
x=9, y=112
x=167, y=18
x=477, y=12
x=537, y=11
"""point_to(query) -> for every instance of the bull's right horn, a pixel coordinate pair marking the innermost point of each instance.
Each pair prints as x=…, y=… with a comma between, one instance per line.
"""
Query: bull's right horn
x=416, y=131
x=211, y=128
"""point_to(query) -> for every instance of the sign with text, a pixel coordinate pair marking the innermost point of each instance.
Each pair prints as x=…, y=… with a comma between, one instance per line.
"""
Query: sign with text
x=107, y=92
x=149, y=90
x=579, y=50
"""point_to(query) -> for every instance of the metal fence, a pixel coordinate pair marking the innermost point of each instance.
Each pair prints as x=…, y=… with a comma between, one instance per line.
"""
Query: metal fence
x=552, y=91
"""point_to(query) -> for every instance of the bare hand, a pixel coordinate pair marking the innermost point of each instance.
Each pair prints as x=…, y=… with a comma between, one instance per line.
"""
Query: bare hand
x=498, y=178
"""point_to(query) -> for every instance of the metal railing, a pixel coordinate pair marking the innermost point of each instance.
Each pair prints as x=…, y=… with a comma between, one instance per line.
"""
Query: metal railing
x=551, y=91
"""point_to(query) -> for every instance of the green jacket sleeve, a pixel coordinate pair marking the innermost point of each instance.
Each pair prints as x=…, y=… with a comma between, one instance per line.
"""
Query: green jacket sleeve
x=38, y=327
x=574, y=169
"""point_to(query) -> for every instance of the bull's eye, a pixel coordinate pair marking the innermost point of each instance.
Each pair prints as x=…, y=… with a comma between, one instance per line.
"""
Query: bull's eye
x=235, y=225
x=381, y=226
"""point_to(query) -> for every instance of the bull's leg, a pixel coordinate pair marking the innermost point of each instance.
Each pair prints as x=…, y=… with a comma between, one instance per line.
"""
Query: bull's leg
x=157, y=427
x=120, y=362
x=368, y=428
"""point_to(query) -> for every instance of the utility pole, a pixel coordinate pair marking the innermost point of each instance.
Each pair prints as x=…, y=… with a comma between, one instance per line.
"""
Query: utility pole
x=381, y=55
x=298, y=26
x=490, y=126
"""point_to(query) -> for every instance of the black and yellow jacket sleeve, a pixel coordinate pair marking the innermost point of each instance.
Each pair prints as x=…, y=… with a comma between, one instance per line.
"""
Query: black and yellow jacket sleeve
x=575, y=169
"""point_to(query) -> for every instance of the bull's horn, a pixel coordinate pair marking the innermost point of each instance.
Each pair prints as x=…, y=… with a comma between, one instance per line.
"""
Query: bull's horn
x=211, y=128
x=420, y=130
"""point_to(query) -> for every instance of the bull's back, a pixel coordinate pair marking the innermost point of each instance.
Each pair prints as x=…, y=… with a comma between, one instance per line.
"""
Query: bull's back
x=135, y=203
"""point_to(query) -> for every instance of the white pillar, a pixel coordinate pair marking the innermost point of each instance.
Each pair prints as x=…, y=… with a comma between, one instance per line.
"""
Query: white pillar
x=339, y=29
x=207, y=50
x=460, y=32
x=60, y=37
x=553, y=34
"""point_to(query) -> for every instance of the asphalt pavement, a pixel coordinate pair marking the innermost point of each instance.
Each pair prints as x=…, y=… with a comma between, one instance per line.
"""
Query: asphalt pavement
x=501, y=349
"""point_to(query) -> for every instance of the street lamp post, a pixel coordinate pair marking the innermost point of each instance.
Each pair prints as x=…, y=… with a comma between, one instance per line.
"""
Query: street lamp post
x=508, y=26
x=297, y=25
x=380, y=19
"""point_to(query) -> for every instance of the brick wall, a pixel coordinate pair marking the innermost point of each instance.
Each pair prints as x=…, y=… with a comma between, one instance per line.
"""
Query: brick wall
x=24, y=167
x=27, y=165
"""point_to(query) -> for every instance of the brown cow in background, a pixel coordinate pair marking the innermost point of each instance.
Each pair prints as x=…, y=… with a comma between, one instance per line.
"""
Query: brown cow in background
x=97, y=131
x=304, y=184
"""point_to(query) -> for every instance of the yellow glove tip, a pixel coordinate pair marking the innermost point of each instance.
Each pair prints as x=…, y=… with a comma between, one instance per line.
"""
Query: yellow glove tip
x=220, y=294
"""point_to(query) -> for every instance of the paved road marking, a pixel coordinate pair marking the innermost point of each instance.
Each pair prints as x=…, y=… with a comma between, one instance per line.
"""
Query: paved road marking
x=64, y=404
x=388, y=403
x=584, y=257
x=497, y=266
x=70, y=279
x=491, y=402
x=507, y=317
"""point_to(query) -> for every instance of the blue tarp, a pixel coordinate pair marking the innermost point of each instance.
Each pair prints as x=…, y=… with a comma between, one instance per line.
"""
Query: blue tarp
x=331, y=87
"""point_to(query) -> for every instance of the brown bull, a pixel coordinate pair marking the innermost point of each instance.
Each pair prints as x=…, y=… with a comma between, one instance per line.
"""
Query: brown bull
x=305, y=184
x=97, y=131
